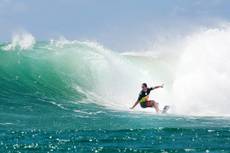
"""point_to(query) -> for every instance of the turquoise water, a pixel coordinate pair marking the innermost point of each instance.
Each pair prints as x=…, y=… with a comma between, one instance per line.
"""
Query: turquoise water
x=67, y=97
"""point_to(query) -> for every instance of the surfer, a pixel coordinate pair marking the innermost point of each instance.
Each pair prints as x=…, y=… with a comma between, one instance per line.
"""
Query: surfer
x=143, y=98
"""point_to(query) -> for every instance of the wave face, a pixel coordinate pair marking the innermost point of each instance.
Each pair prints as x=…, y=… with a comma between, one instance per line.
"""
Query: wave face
x=46, y=80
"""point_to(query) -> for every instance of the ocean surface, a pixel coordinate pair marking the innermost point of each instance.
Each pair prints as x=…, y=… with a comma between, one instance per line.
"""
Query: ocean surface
x=72, y=96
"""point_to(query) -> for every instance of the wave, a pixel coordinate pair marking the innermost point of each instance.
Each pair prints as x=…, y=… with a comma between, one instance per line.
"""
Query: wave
x=75, y=73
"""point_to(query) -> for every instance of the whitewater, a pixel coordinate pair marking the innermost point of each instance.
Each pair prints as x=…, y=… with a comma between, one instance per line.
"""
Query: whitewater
x=76, y=95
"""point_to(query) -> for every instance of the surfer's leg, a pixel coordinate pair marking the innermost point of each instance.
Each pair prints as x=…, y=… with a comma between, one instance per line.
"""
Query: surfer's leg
x=152, y=103
x=156, y=106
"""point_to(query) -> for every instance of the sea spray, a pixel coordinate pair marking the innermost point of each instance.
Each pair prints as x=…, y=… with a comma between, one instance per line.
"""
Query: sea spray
x=201, y=84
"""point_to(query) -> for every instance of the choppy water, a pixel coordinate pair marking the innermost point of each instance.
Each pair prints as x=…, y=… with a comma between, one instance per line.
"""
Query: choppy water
x=118, y=133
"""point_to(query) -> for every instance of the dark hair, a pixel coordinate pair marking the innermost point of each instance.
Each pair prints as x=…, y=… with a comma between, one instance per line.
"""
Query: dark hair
x=144, y=84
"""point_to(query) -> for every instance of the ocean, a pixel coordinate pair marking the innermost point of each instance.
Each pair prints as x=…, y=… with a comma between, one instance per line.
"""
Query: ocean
x=74, y=96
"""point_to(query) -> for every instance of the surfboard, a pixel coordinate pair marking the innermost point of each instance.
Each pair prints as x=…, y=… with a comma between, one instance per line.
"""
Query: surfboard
x=165, y=109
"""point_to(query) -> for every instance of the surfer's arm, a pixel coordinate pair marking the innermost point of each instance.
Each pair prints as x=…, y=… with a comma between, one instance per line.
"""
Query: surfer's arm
x=156, y=87
x=135, y=104
x=138, y=100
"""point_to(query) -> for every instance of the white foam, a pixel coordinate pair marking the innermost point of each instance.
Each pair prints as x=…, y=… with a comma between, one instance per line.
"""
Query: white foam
x=201, y=85
x=198, y=75
x=22, y=41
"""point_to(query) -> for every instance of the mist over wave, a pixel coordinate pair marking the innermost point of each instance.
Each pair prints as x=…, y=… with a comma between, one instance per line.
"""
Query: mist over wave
x=201, y=84
x=195, y=73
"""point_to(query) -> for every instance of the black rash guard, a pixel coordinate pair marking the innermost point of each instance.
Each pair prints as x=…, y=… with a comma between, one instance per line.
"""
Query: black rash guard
x=143, y=93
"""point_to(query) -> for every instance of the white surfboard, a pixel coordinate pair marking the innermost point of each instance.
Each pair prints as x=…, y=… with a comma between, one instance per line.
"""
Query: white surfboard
x=165, y=109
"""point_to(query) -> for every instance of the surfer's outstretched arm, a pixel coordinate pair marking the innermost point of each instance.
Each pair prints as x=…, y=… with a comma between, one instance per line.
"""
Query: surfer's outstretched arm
x=156, y=87
x=134, y=105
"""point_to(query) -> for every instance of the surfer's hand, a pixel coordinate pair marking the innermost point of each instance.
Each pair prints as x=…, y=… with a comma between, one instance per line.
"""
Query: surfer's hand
x=162, y=86
x=130, y=107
